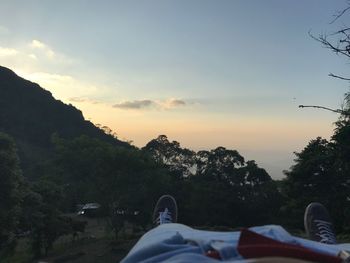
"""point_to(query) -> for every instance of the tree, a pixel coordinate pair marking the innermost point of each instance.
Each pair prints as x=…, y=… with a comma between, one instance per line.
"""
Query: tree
x=45, y=220
x=339, y=43
x=322, y=170
x=10, y=190
x=119, y=179
x=25, y=207
x=217, y=187
x=180, y=161
x=219, y=163
x=341, y=145
x=311, y=179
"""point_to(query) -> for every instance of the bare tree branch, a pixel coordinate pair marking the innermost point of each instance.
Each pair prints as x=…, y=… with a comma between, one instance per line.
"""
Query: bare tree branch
x=343, y=31
x=339, y=43
x=338, y=77
x=324, y=41
x=325, y=108
x=337, y=16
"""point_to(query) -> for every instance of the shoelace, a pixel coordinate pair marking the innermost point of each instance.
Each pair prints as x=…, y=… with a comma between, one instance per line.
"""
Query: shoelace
x=164, y=217
x=325, y=232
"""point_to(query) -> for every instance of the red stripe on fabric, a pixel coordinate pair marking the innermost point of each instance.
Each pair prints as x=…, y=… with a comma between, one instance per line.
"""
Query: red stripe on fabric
x=253, y=245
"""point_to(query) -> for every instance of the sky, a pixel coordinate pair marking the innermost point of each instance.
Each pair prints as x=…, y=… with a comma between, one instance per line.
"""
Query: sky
x=205, y=73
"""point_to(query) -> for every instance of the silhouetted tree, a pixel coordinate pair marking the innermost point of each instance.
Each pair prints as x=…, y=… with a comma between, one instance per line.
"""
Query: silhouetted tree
x=42, y=216
x=118, y=178
x=180, y=161
x=321, y=171
x=10, y=190
x=217, y=187
x=339, y=43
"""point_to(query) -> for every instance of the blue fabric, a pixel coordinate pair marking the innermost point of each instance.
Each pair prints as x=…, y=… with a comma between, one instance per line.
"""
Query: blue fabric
x=175, y=243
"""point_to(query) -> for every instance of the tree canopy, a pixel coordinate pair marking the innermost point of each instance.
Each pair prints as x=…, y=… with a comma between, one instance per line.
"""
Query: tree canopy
x=10, y=189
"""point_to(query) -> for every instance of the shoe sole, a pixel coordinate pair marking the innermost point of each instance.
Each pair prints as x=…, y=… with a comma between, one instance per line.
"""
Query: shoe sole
x=305, y=218
x=159, y=200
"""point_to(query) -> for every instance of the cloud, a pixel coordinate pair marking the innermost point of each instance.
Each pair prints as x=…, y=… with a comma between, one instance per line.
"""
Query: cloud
x=5, y=52
x=83, y=99
x=78, y=99
x=148, y=104
x=44, y=51
x=62, y=86
x=136, y=104
x=33, y=56
x=36, y=44
x=142, y=104
x=172, y=103
x=37, y=62
x=46, y=78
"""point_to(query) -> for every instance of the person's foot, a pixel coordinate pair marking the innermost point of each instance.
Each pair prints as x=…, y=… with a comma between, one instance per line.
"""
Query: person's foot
x=165, y=210
x=318, y=224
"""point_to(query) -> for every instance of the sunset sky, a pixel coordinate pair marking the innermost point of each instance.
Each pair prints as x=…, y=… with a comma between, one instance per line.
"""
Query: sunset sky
x=205, y=73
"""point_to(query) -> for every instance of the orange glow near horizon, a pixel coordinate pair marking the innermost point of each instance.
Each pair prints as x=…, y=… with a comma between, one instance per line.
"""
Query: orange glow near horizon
x=207, y=132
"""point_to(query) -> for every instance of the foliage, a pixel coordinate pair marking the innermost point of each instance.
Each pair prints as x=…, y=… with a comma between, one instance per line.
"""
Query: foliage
x=321, y=174
x=118, y=178
x=25, y=209
x=10, y=190
x=31, y=115
x=42, y=216
x=322, y=169
x=178, y=160
x=217, y=187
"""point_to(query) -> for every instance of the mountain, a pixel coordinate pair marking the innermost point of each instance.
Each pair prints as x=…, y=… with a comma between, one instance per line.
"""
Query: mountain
x=30, y=114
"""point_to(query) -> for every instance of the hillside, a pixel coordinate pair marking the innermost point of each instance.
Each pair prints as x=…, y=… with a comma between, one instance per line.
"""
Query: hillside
x=30, y=114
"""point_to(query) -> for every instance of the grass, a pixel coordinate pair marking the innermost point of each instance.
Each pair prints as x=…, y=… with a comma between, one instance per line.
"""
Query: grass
x=96, y=245
x=21, y=253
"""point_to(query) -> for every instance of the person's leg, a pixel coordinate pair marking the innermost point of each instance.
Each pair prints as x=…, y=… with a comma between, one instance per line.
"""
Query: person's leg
x=318, y=224
x=174, y=241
